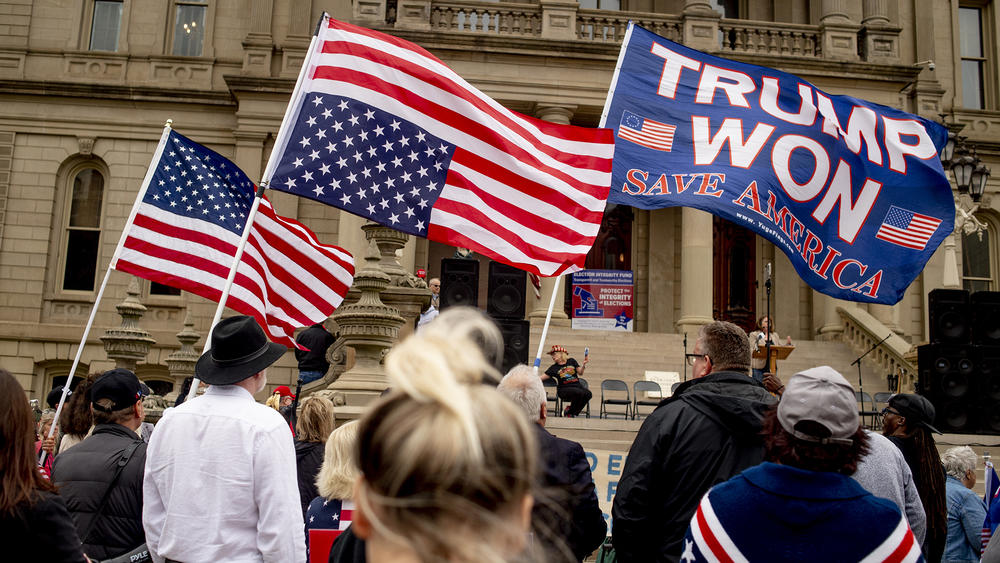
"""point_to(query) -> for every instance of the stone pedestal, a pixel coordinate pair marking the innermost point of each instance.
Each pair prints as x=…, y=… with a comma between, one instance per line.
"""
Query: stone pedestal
x=370, y=327
x=701, y=25
x=180, y=363
x=413, y=14
x=128, y=344
x=559, y=19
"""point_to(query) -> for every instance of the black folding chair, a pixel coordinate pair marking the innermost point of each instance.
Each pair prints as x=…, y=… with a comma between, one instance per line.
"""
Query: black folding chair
x=586, y=386
x=640, y=386
x=867, y=407
x=615, y=385
x=552, y=396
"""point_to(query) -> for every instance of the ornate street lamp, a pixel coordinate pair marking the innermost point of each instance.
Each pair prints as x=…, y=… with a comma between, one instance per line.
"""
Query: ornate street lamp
x=978, y=179
x=962, y=166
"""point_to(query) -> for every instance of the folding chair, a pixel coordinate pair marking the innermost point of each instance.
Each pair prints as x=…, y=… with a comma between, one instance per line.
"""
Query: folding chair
x=615, y=385
x=881, y=401
x=551, y=396
x=586, y=385
x=869, y=410
x=640, y=386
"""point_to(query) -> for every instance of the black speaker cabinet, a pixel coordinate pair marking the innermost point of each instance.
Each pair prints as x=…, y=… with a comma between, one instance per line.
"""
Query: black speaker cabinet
x=516, y=333
x=986, y=318
x=950, y=319
x=459, y=282
x=505, y=293
x=947, y=376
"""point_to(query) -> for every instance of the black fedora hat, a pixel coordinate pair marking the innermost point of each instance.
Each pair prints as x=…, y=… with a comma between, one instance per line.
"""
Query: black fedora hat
x=239, y=350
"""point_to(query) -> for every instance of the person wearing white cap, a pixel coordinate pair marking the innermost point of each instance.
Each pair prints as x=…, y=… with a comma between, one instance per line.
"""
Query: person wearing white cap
x=800, y=504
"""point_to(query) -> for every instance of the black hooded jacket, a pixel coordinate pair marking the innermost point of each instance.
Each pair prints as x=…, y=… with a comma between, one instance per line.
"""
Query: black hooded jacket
x=708, y=431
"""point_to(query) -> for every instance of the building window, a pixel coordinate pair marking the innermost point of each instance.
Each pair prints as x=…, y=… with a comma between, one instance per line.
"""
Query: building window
x=600, y=4
x=83, y=231
x=189, y=28
x=160, y=289
x=974, y=63
x=977, y=259
x=106, y=25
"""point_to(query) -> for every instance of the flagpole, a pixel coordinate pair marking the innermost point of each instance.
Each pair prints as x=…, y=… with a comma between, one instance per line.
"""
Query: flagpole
x=104, y=284
x=614, y=77
x=272, y=163
x=545, y=327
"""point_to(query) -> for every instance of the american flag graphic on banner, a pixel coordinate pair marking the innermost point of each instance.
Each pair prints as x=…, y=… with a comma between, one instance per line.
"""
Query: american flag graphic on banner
x=907, y=228
x=646, y=132
x=186, y=226
x=383, y=129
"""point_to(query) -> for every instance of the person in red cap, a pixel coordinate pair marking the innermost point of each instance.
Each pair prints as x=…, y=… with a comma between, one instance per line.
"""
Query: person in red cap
x=281, y=400
x=567, y=372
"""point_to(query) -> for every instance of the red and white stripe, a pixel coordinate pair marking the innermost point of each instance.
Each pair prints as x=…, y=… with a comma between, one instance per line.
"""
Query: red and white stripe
x=711, y=538
x=900, y=546
x=652, y=134
x=520, y=190
x=286, y=278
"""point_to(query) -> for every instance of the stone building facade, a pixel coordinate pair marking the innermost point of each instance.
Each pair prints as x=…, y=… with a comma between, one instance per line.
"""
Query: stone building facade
x=85, y=88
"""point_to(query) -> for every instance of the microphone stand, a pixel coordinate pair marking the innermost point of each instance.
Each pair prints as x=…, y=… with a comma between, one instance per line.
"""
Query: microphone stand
x=685, y=363
x=770, y=323
x=861, y=389
x=295, y=403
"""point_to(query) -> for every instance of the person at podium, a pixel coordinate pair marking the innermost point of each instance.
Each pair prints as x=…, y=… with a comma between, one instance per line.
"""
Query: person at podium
x=758, y=342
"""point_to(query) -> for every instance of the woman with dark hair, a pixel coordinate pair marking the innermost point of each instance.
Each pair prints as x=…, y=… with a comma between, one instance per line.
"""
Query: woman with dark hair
x=906, y=421
x=77, y=421
x=801, y=504
x=34, y=521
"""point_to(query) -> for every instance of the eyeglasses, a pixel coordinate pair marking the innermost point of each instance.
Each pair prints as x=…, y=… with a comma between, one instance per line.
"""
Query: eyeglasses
x=886, y=411
x=691, y=358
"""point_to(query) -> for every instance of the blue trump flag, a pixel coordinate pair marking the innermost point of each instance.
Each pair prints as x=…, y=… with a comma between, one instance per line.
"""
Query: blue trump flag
x=851, y=191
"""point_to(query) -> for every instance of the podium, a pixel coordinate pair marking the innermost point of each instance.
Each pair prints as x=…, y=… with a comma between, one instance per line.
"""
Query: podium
x=777, y=353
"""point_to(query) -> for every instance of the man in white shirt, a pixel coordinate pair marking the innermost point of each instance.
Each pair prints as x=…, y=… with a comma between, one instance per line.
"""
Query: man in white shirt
x=220, y=480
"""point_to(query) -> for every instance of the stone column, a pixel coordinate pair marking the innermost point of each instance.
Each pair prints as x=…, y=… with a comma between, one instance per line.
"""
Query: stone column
x=828, y=324
x=701, y=25
x=839, y=33
x=880, y=38
x=258, y=43
x=180, y=363
x=128, y=344
x=696, y=271
x=561, y=114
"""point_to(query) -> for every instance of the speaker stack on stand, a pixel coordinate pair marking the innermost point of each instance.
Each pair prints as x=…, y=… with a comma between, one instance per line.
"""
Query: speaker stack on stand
x=959, y=371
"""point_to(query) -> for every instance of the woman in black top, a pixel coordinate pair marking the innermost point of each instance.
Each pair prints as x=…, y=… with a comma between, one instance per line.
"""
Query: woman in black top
x=567, y=372
x=34, y=522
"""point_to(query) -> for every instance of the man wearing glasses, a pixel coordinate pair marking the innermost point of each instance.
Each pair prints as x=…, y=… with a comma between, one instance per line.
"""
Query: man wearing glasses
x=707, y=432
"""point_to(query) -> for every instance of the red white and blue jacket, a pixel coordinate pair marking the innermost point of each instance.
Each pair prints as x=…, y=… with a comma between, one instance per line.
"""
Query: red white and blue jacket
x=777, y=513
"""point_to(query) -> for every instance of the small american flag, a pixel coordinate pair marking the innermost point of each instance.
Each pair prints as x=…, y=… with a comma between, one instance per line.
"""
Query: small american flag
x=907, y=228
x=646, y=132
x=385, y=130
x=186, y=226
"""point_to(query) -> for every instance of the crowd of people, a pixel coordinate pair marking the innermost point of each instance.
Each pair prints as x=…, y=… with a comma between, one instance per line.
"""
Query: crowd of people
x=454, y=463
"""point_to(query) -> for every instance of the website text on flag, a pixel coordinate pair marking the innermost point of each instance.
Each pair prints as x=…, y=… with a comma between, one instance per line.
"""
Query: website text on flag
x=381, y=128
x=851, y=191
x=187, y=224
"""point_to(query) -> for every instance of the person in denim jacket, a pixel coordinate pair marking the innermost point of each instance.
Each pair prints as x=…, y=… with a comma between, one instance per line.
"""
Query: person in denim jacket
x=966, y=511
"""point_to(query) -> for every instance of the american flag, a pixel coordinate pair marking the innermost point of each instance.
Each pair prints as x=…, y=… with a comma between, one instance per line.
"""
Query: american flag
x=992, y=500
x=646, y=132
x=186, y=226
x=907, y=228
x=385, y=130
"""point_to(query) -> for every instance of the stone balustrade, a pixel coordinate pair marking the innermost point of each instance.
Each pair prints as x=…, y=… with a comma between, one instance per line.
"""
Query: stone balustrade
x=767, y=38
x=604, y=26
x=862, y=331
x=523, y=20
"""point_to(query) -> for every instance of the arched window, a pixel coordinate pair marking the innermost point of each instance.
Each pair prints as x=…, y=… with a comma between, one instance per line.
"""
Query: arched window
x=978, y=260
x=83, y=229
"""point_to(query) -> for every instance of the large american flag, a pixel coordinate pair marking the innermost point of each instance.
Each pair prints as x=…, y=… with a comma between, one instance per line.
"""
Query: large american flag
x=385, y=130
x=186, y=226
x=906, y=228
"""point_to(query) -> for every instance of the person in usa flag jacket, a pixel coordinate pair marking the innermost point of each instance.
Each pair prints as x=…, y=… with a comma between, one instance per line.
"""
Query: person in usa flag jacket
x=801, y=504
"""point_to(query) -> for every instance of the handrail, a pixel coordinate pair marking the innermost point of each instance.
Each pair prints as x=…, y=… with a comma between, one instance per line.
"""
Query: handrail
x=862, y=331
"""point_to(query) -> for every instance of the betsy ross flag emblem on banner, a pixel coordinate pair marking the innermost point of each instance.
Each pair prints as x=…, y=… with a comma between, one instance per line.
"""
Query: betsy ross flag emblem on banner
x=907, y=228
x=383, y=129
x=646, y=132
x=187, y=223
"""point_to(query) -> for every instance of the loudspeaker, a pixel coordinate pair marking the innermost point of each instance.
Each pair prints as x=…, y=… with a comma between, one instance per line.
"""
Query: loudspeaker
x=988, y=389
x=949, y=316
x=459, y=282
x=986, y=318
x=505, y=293
x=947, y=377
x=515, y=342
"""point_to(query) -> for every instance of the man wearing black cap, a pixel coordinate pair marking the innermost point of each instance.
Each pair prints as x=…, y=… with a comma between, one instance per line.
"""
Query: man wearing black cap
x=220, y=478
x=105, y=501
x=907, y=422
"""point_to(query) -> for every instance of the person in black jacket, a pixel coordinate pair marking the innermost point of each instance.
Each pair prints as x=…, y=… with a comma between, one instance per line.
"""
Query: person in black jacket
x=85, y=473
x=312, y=362
x=312, y=430
x=707, y=432
x=566, y=510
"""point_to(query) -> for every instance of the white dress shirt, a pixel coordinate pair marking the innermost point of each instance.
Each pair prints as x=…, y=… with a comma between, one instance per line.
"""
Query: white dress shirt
x=220, y=483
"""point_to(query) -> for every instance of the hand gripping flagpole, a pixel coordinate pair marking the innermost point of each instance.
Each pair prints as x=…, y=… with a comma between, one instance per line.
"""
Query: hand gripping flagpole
x=545, y=327
x=268, y=171
x=100, y=294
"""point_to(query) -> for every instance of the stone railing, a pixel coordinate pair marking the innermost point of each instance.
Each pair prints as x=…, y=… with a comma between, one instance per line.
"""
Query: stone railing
x=862, y=331
x=492, y=18
x=604, y=26
x=766, y=38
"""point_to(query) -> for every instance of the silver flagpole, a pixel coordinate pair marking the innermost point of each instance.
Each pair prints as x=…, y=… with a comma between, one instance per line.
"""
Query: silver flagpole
x=545, y=327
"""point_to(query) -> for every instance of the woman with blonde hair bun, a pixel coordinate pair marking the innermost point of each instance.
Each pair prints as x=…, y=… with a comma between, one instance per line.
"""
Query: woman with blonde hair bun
x=447, y=463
